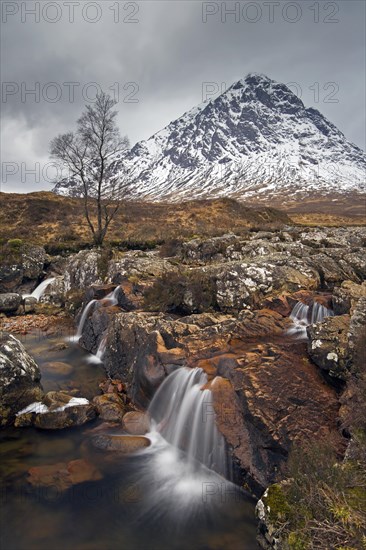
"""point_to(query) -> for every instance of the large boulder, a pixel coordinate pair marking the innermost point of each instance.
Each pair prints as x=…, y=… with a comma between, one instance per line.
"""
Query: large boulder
x=19, y=379
x=337, y=344
x=266, y=396
x=9, y=302
x=24, y=264
x=97, y=322
x=328, y=345
x=82, y=270
x=241, y=285
x=357, y=337
x=55, y=293
x=143, y=348
x=346, y=296
x=137, y=265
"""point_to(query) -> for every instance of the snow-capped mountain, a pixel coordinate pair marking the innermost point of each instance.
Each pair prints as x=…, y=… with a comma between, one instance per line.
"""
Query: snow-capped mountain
x=255, y=140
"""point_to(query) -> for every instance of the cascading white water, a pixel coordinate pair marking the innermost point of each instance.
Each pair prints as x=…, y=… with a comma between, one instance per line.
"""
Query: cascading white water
x=98, y=357
x=83, y=318
x=112, y=297
x=183, y=414
x=319, y=312
x=40, y=289
x=187, y=463
x=303, y=315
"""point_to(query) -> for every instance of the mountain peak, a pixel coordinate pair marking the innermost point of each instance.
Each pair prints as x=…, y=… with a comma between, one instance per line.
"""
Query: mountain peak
x=256, y=139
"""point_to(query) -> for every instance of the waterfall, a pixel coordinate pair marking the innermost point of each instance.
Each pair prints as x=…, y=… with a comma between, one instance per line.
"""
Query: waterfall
x=186, y=465
x=319, y=312
x=303, y=315
x=182, y=412
x=40, y=289
x=98, y=357
x=82, y=320
x=112, y=297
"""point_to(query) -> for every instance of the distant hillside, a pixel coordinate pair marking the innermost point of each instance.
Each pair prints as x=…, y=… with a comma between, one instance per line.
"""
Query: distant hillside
x=45, y=217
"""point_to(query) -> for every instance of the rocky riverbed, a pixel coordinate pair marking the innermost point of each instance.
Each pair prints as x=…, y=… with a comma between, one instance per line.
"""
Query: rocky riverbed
x=219, y=304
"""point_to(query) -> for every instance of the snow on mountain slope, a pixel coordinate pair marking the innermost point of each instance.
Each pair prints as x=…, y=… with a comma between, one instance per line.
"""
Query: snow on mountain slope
x=256, y=140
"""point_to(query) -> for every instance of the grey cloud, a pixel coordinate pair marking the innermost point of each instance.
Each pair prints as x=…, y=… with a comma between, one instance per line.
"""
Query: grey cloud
x=169, y=54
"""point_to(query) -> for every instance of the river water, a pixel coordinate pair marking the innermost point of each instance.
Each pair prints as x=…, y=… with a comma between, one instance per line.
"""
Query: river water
x=151, y=500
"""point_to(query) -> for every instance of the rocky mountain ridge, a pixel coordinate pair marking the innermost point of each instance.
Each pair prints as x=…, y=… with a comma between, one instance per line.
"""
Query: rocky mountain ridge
x=255, y=140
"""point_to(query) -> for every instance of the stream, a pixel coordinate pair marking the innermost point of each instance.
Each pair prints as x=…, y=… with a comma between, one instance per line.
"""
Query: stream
x=155, y=499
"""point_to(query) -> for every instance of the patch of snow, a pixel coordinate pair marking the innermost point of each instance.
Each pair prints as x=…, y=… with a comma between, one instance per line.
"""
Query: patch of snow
x=40, y=408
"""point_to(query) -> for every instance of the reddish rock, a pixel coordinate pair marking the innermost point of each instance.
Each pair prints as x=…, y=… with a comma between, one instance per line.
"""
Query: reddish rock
x=57, y=368
x=280, y=304
x=124, y=444
x=277, y=397
x=136, y=423
x=110, y=407
x=62, y=475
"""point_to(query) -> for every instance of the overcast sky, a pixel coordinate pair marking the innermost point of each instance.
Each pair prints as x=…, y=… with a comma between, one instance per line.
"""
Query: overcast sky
x=157, y=57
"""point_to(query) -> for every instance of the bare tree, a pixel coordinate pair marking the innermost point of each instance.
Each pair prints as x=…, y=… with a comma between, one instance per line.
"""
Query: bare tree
x=89, y=155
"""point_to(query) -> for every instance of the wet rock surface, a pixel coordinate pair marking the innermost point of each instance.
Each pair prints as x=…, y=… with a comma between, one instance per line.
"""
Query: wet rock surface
x=136, y=423
x=123, y=444
x=267, y=395
x=63, y=475
x=276, y=397
x=110, y=407
x=9, y=302
x=19, y=378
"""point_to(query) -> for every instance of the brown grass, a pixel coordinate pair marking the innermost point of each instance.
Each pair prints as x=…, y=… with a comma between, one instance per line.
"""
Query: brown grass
x=47, y=218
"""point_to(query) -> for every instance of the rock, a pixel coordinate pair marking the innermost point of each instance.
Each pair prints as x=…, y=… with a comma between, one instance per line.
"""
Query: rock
x=29, y=304
x=280, y=304
x=346, y=296
x=98, y=292
x=9, y=302
x=55, y=293
x=11, y=277
x=241, y=285
x=131, y=296
x=95, y=325
x=110, y=407
x=328, y=345
x=56, y=411
x=57, y=368
x=136, y=423
x=27, y=264
x=357, y=337
x=266, y=397
x=19, y=379
x=33, y=260
x=132, y=353
x=332, y=270
x=143, y=348
x=124, y=444
x=63, y=475
x=137, y=264
x=82, y=270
